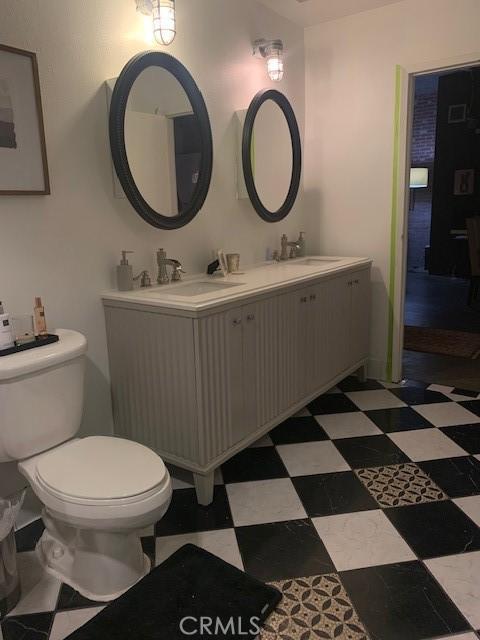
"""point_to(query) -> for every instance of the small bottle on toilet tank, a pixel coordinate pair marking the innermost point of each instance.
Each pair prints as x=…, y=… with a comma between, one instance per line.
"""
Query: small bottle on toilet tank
x=6, y=332
x=40, y=321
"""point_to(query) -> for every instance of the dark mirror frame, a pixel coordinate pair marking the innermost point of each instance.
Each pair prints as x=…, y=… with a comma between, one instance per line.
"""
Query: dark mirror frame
x=118, y=106
x=286, y=107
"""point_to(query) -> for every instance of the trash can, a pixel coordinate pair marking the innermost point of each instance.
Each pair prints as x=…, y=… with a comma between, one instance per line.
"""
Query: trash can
x=9, y=580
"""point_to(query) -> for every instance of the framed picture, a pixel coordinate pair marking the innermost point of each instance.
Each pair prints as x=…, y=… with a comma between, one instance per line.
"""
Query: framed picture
x=464, y=182
x=223, y=262
x=457, y=113
x=23, y=155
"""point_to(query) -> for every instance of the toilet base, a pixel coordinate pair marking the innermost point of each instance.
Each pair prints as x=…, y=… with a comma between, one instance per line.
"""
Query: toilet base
x=100, y=565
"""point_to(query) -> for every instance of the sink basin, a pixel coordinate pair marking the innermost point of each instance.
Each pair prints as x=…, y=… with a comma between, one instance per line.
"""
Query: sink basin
x=192, y=289
x=311, y=262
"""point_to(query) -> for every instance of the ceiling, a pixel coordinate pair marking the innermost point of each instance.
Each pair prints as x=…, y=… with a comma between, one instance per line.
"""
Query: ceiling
x=310, y=12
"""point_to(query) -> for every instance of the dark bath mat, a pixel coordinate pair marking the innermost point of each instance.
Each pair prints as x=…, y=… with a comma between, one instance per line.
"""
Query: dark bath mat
x=191, y=584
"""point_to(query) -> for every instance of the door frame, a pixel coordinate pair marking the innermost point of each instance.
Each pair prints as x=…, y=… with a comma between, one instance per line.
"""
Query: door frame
x=403, y=124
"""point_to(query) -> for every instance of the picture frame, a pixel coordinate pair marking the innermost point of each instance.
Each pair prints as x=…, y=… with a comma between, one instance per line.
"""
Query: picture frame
x=23, y=153
x=464, y=182
x=457, y=113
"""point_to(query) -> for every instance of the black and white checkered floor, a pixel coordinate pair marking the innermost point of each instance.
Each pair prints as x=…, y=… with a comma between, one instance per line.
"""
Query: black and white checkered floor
x=372, y=493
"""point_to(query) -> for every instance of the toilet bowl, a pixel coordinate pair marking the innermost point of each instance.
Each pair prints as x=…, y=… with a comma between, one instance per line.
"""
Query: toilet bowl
x=98, y=493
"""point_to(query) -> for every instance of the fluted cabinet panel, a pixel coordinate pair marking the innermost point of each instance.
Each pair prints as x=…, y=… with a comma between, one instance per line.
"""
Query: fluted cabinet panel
x=152, y=363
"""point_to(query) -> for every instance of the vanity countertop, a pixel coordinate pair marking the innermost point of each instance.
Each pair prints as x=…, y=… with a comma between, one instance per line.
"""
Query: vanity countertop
x=202, y=292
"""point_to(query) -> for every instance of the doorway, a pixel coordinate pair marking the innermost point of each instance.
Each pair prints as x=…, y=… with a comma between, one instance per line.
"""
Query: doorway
x=441, y=337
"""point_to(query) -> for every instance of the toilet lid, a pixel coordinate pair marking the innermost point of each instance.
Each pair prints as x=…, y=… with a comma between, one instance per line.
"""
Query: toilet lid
x=101, y=468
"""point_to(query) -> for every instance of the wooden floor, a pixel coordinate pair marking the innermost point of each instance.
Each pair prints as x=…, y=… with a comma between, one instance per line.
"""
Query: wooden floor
x=436, y=301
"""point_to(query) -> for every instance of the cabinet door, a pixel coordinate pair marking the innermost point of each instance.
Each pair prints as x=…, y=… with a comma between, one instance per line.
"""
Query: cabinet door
x=270, y=355
x=317, y=308
x=220, y=382
x=337, y=324
x=360, y=316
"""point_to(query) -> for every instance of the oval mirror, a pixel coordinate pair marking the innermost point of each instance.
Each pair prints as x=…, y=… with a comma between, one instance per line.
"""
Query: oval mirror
x=271, y=155
x=161, y=140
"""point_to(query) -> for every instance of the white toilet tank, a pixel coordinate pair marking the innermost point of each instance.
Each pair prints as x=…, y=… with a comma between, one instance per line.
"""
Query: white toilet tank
x=41, y=396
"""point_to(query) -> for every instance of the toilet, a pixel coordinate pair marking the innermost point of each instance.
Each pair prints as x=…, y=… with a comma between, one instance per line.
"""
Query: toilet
x=98, y=493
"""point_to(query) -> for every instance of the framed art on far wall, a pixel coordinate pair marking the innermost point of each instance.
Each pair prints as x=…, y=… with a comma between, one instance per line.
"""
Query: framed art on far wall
x=23, y=154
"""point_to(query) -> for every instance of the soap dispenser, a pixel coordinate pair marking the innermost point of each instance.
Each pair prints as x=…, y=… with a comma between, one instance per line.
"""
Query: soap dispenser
x=302, y=249
x=125, y=273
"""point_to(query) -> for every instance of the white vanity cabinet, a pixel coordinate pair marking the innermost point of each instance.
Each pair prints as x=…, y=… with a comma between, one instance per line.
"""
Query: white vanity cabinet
x=198, y=387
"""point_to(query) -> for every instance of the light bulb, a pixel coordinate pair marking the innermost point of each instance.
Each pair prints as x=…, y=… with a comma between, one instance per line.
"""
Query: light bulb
x=164, y=22
x=275, y=65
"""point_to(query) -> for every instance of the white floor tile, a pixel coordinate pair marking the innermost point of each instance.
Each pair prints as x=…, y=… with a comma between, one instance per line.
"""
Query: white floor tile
x=264, y=501
x=39, y=589
x=471, y=506
x=222, y=543
x=426, y=444
x=364, y=539
x=391, y=385
x=441, y=388
x=348, y=425
x=446, y=414
x=311, y=458
x=477, y=457
x=458, y=575
x=462, y=636
x=376, y=399
x=66, y=622
x=266, y=441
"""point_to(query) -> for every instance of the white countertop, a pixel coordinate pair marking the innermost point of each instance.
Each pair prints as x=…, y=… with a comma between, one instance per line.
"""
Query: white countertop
x=248, y=282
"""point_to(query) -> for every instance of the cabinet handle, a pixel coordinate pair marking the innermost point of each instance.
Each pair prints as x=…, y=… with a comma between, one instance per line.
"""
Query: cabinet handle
x=304, y=299
x=250, y=317
x=350, y=283
x=236, y=322
x=313, y=297
x=357, y=281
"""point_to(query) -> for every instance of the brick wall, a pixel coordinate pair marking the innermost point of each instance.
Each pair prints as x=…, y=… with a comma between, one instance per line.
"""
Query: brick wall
x=423, y=154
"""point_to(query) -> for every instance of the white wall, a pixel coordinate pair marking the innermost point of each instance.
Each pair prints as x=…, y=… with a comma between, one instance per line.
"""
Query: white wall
x=64, y=247
x=350, y=69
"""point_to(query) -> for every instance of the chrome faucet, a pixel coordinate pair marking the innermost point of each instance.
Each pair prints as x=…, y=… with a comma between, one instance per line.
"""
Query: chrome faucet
x=294, y=246
x=163, y=262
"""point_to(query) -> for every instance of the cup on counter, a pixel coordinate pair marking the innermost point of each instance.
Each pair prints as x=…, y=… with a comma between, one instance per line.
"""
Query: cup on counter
x=233, y=262
x=23, y=329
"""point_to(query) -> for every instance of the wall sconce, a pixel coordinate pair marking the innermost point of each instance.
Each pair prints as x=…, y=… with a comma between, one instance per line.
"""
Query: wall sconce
x=272, y=51
x=163, y=17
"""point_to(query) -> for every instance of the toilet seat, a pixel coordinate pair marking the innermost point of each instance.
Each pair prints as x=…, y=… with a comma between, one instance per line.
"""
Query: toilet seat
x=118, y=471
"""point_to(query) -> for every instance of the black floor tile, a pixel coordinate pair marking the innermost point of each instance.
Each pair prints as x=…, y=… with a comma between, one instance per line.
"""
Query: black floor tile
x=398, y=419
x=370, y=451
x=31, y=627
x=402, y=602
x=332, y=403
x=71, y=599
x=466, y=436
x=296, y=430
x=332, y=493
x=185, y=515
x=415, y=395
x=465, y=392
x=262, y=463
x=283, y=550
x=352, y=383
x=458, y=477
x=435, y=529
x=27, y=537
x=148, y=546
x=472, y=405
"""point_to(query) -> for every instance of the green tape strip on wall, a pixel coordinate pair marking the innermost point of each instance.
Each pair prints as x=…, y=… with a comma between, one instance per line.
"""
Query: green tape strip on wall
x=394, y=222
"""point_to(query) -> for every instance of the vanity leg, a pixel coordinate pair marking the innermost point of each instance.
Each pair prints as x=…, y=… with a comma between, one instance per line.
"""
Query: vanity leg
x=362, y=373
x=204, y=486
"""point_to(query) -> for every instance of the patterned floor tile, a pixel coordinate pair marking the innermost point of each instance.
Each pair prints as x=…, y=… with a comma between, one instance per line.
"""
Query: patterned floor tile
x=314, y=607
x=400, y=485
